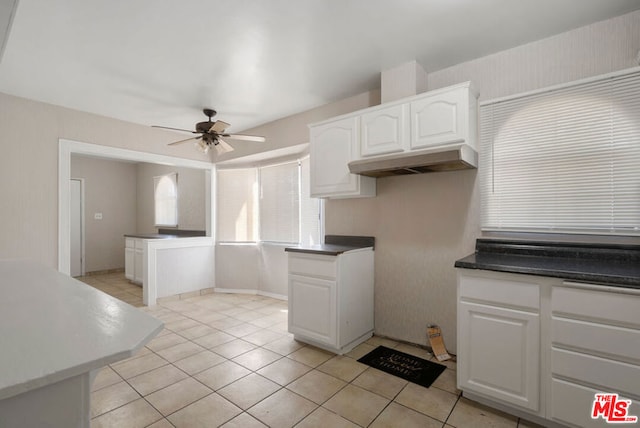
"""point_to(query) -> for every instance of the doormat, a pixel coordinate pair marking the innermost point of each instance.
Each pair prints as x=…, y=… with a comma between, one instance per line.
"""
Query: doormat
x=408, y=367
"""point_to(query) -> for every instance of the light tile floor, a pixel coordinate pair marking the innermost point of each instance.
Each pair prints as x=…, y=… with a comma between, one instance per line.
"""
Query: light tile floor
x=228, y=360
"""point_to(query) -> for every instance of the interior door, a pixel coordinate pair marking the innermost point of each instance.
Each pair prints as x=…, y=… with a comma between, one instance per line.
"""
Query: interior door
x=76, y=228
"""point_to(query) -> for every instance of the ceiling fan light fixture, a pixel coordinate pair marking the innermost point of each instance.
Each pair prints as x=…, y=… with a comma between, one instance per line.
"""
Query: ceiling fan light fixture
x=203, y=146
x=219, y=149
x=210, y=133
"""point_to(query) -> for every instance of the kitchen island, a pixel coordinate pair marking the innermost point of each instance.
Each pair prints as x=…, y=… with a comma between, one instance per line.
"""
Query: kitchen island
x=55, y=334
x=169, y=263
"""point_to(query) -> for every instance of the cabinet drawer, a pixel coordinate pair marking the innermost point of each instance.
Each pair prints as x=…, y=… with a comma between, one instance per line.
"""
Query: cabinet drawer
x=618, y=342
x=572, y=404
x=615, y=308
x=502, y=291
x=611, y=375
x=139, y=244
x=313, y=265
x=129, y=242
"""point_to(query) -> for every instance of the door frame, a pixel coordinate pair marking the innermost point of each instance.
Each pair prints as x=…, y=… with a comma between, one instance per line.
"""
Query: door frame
x=82, y=228
x=68, y=147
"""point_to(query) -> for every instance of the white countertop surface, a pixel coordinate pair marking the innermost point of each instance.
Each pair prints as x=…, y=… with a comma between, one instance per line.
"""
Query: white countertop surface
x=53, y=327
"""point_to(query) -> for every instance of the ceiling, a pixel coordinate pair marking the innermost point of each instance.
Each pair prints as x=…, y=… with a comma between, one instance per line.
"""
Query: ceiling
x=159, y=62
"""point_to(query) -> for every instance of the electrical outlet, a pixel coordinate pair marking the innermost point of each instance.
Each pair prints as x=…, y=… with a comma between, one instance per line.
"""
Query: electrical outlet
x=97, y=216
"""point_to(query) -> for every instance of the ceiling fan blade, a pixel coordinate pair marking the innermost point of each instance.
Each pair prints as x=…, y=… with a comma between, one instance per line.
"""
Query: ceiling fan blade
x=184, y=141
x=223, y=147
x=245, y=137
x=219, y=126
x=174, y=129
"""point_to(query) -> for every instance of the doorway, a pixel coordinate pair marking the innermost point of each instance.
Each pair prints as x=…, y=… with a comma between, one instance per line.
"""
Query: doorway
x=76, y=232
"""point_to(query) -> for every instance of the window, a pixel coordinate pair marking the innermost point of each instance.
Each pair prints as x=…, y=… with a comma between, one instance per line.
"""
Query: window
x=275, y=197
x=237, y=205
x=166, y=200
x=310, y=208
x=564, y=160
x=280, y=203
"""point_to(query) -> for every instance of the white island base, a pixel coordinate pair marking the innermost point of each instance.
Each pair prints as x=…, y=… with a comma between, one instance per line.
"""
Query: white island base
x=55, y=334
x=61, y=404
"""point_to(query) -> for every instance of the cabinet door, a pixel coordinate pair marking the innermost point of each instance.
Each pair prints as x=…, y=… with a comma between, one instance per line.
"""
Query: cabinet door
x=498, y=353
x=137, y=261
x=439, y=119
x=312, y=309
x=333, y=146
x=129, y=263
x=385, y=130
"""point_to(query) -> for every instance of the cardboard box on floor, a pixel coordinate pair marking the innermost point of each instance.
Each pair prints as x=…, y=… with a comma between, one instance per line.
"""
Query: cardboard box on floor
x=437, y=343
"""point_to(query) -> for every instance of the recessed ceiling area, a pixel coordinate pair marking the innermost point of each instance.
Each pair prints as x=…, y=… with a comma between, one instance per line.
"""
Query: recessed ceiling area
x=254, y=61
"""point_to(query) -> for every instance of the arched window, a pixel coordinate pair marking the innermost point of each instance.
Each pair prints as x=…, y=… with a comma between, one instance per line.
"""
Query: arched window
x=166, y=200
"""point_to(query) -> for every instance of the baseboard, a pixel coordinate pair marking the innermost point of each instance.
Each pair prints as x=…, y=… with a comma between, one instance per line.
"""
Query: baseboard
x=104, y=272
x=251, y=291
x=186, y=295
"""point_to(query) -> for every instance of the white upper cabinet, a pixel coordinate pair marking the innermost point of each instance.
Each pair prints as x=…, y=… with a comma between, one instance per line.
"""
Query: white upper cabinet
x=447, y=116
x=437, y=118
x=385, y=130
x=333, y=146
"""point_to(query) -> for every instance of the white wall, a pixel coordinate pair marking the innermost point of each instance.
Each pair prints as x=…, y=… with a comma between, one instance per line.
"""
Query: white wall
x=273, y=270
x=191, y=197
x=29, y=167
x=237, y=267
x=110, y=189
x=260, y=268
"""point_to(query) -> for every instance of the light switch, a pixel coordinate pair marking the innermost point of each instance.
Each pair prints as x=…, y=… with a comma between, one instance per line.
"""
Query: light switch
x=97, y=216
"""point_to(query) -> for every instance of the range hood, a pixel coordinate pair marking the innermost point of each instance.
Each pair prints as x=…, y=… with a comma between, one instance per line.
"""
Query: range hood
x=445, y=158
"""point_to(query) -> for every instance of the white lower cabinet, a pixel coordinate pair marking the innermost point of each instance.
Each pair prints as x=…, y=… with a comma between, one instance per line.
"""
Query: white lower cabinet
x=331, y=298
x=129, y=263
x=499, y=338
x=541, y=348
x=595, y=348
x=133, y=258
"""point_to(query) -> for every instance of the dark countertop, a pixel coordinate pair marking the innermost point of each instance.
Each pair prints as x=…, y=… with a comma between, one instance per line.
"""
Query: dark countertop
x=152, y=236
x=615, y=265
x=335, y=245
x=168, y=234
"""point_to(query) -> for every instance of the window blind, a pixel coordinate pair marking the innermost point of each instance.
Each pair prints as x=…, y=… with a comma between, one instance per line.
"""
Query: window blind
x=279, y=203
x=237, y=205
x=565, y=160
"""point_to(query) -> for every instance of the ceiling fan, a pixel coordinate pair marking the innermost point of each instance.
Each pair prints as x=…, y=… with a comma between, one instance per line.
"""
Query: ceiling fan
x=211, y=133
